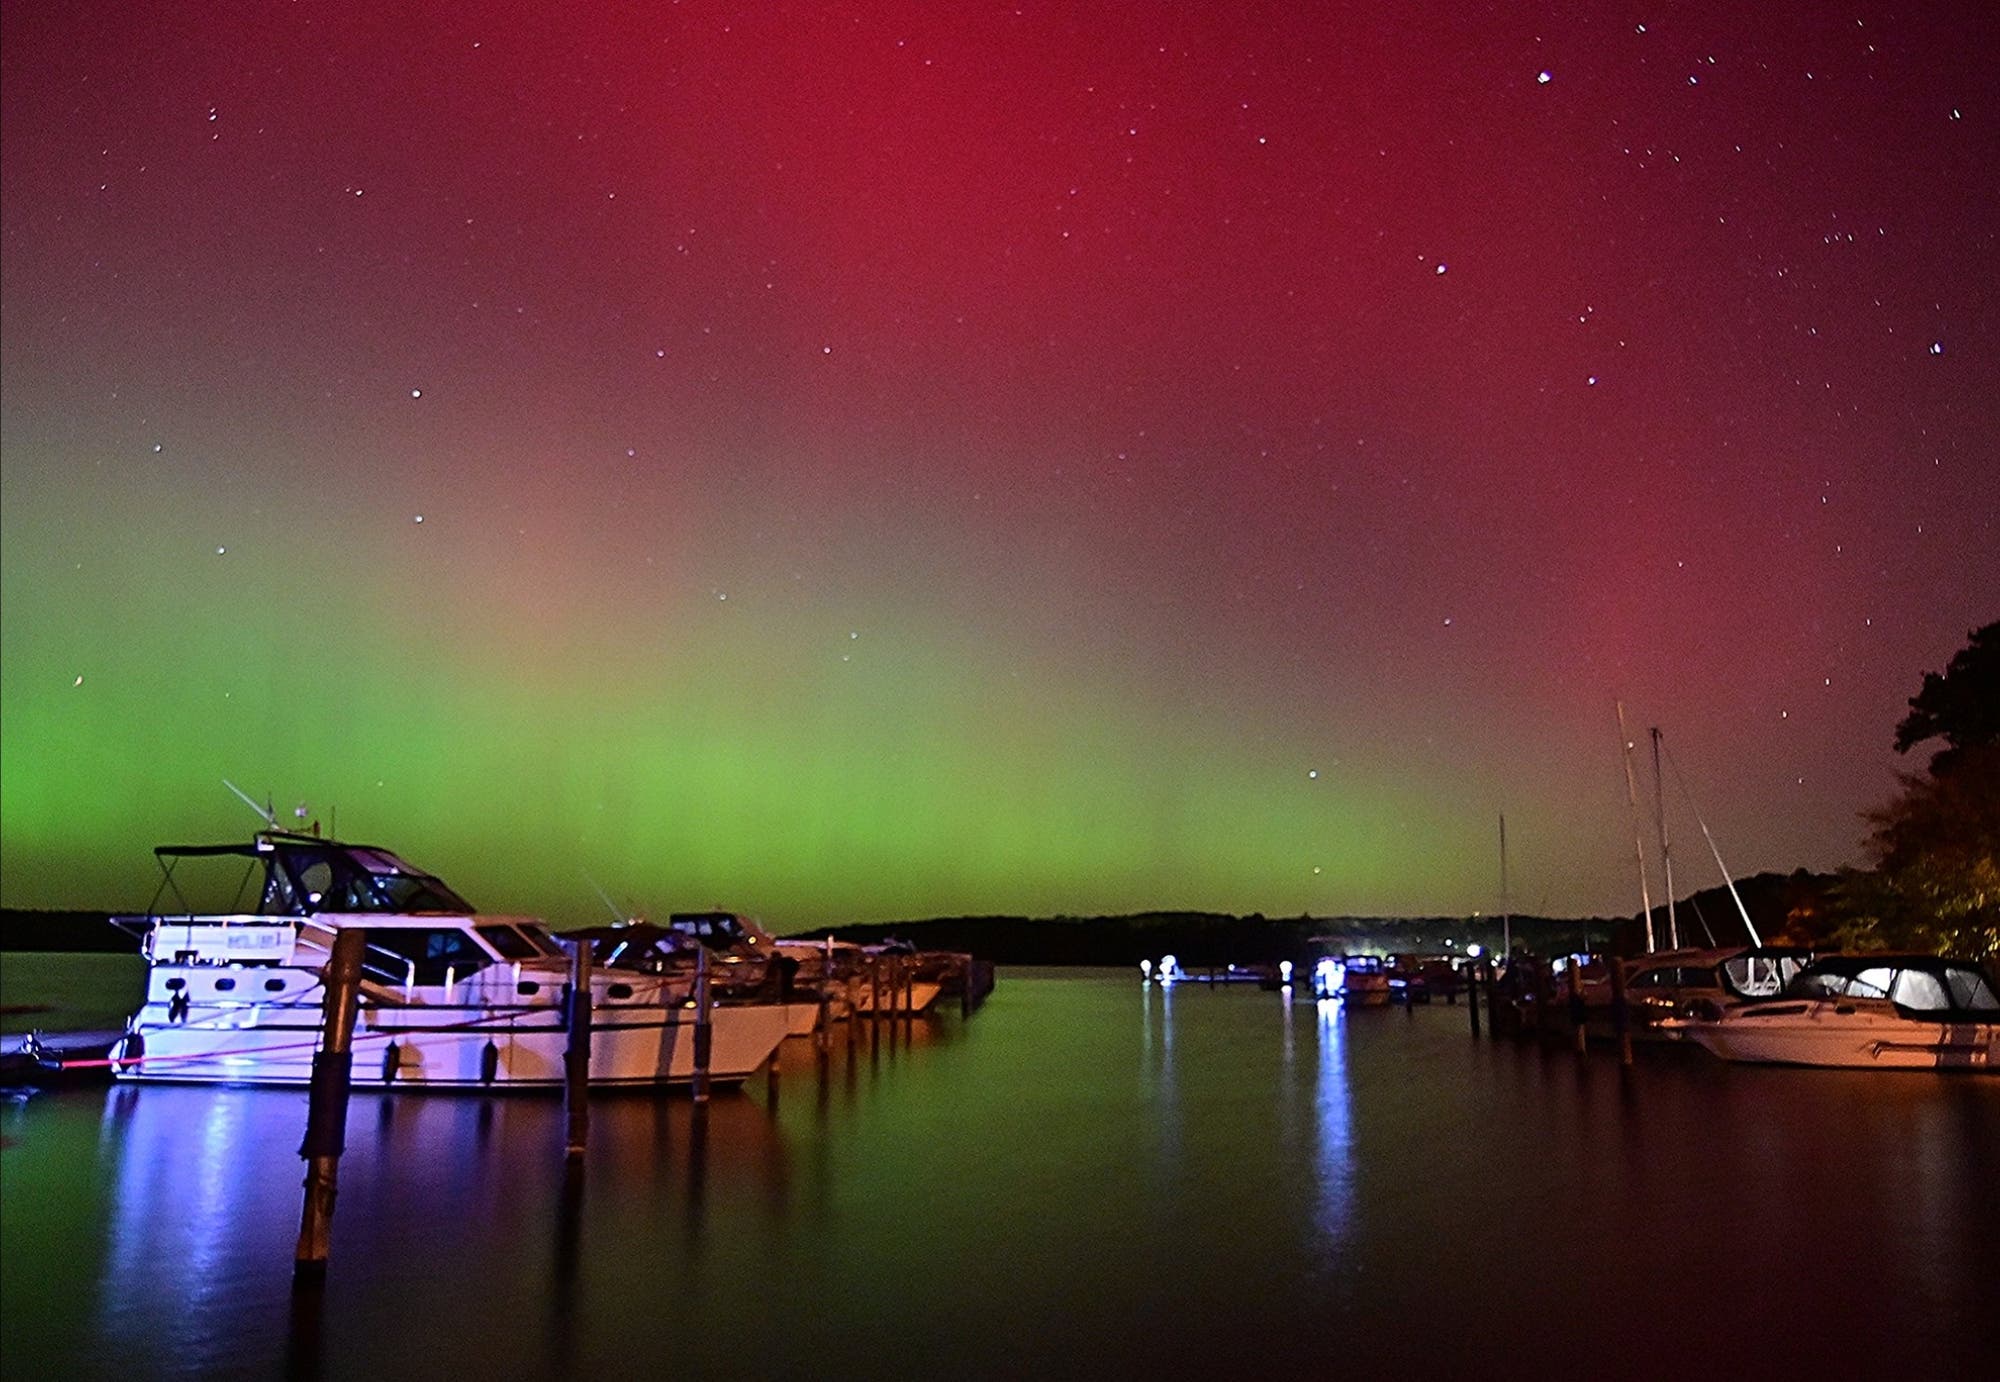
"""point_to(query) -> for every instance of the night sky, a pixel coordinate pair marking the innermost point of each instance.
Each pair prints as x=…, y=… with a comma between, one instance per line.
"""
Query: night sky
x=869, y=461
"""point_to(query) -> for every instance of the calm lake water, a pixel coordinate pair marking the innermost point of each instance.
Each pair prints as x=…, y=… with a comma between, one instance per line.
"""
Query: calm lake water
x=1087, y=1178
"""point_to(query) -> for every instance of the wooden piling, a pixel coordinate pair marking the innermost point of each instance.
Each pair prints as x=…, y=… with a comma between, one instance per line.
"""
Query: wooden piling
x=1472, y=996
x=1621, y=1016
x=576, y=1055
x=822, y=1038
x=326, y=1109
x=965, y=988
x=874, y=1003
x=852, y=984
x=704, y=1036
x=1577, y=1015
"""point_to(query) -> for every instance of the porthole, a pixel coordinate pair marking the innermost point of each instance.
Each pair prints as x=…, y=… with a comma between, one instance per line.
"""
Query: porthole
x=175, y=985
x=618, y=991
x=224, y=985
x=527, y=988
x=274, y=986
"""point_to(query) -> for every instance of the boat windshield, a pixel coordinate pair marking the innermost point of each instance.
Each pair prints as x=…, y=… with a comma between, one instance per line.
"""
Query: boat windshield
x=304, y=879
x=1969, y=989
x=511, y=944
x=1751, y=975
x=716, y=930
x=424, y=955
x=1917, y=986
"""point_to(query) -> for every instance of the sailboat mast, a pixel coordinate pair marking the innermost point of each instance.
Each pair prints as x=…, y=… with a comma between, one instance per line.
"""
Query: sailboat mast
x=1638, y=840
x=1506, y=912
x=1666, y=853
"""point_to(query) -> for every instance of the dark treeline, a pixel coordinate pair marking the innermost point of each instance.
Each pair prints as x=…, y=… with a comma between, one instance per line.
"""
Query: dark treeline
x=72, y=931
x=1201, y=940
x=1782, y=906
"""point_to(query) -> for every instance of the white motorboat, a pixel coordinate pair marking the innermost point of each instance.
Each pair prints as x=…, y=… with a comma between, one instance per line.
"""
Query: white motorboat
x=1689, y=982
x=1913, y=1012
x=449, y=998
x=849, y=974
x=737, y=973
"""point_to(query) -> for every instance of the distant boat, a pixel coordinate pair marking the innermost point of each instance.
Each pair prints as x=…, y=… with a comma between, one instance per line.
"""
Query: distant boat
x=1690, y=982
x=449, y=999
x=1907, y=1012
x=1361, y=981
x=847, y=973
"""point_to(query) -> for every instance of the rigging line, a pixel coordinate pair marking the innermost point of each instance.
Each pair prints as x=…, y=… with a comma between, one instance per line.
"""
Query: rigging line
x=1638, y=837
x=1703, y=920
x=1681, y=780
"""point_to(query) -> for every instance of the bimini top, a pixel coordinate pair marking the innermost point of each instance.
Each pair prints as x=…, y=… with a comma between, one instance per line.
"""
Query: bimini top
x=1925, y=984
x=722, y=931
x=305, y=875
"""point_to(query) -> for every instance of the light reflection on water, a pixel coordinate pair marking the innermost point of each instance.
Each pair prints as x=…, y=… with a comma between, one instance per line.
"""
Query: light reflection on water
x=1090, y=1175
x=1335, y=1177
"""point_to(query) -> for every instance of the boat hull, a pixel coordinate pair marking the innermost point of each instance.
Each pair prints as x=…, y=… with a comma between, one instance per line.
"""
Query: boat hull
x=446, y=1048
x=1831, y=1039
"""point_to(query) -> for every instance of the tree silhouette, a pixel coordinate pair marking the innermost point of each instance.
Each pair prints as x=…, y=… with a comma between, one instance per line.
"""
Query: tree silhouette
x=1961, y=707
x=1936, y=844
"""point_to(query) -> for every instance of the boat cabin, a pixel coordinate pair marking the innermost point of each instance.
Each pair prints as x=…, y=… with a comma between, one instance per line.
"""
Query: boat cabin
x=421, y=932
x=723, y=932
x=1923, y=987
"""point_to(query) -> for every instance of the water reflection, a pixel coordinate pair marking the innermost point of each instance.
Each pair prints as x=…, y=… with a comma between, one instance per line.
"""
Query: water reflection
x=1061, y=1186
x=1334, y=1162
x=207, y=1183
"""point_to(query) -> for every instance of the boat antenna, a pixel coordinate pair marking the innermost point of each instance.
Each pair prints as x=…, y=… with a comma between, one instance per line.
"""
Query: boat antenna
x=1728, y=882
x=605, y=897
x=1638, y=840
x=1666, y=852
x=1506, y=911
x=270, y=817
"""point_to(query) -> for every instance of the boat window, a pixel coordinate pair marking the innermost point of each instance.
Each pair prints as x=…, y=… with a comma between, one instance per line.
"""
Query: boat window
x=1759, y=976
x=1820, y=985
x=224, y=985
x=278, y=899
x=433, y=951
x=1919, y=989
x=174, y=985
x=716, y=930
x=540, y=939
x=511, y=944
x=618, y=991
x=1676, y=977
x=1871, y=983
x=315, y=878
x=1969, y=989
x=527, y=988
x=274, y=986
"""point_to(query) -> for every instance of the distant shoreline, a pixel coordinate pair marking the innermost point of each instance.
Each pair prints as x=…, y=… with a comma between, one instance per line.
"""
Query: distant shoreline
x=1198, y=939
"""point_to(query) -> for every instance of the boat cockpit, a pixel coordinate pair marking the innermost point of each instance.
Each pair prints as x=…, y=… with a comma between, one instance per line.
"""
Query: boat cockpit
x=1923, y=987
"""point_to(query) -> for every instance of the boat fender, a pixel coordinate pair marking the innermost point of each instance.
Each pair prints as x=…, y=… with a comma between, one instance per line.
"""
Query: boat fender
x=177, y=1006
x=392, y=1061
x=132, y=1050
x=489, y=1062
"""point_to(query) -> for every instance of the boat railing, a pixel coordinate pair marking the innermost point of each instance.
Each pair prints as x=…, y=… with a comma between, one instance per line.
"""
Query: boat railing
x=156, y=931
x=378, y=962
